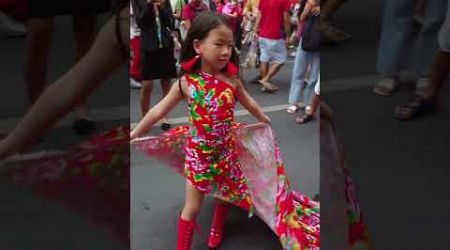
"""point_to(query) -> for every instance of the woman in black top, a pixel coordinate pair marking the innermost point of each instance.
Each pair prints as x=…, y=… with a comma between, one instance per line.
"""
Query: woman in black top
x=157, y=49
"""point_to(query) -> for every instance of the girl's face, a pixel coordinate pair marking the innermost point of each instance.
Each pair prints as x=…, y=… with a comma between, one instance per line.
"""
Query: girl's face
x=215, y=50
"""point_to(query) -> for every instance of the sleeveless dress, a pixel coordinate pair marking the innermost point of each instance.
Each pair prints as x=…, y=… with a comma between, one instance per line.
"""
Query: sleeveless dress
x=220, y=158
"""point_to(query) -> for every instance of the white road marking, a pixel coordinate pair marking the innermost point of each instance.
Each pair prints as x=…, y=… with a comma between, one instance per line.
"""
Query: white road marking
x=237, y=113
x=123, y=112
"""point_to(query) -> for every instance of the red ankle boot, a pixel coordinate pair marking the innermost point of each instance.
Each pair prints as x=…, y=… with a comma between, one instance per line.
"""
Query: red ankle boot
x=216, y=234
x=185, y=234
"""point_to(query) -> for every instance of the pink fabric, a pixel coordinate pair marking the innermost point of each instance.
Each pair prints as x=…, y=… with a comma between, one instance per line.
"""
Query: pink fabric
x=293, y=217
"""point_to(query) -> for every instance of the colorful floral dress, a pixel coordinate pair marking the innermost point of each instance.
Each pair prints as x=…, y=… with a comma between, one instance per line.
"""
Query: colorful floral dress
x=236, y=163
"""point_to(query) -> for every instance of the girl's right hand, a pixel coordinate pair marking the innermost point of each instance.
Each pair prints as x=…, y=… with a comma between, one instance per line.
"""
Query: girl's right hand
x=266, y=119
x=133, y=135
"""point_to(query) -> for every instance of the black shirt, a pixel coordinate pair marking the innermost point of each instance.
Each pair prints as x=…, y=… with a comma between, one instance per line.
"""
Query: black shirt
x=149, y=29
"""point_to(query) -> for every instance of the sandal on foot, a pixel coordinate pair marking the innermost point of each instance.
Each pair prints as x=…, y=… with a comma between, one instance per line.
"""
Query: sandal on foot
x=268, y=87
x=267, y=90
x=414, y=108
x=385, y=87
x=304, y=119
x=292, y=109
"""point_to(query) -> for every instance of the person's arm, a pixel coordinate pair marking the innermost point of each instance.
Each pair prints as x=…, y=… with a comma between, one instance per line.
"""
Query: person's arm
x=72, y=88
x=287, y=22
x=247, y=9
x=249, y=103
x=187, y=24
x=185, y=17
x=306, y=11
x=258, y=20
x=168, y=13
x=233, y=14
x=159, y=111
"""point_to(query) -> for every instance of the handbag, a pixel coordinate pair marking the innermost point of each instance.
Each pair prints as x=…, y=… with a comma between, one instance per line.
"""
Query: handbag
x=311, y=38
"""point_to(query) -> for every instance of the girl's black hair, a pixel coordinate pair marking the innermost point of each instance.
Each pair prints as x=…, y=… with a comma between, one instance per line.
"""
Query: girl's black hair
x=200, y=29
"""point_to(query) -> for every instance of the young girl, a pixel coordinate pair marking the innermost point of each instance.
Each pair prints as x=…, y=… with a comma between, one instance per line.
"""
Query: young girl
x=212, y=165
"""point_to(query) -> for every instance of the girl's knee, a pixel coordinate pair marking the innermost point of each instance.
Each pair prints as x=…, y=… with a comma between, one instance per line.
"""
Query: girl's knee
x=190, y=212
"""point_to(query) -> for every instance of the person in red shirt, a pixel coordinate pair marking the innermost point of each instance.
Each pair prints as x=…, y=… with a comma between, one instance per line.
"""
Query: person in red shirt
x=191, y=11
x=219, y=5
x=273, y=16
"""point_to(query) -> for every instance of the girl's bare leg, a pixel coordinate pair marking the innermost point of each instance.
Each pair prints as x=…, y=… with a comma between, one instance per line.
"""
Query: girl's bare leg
x=193, y=203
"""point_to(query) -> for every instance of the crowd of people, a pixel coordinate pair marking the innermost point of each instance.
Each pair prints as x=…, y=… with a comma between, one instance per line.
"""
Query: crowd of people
x=219, y=39
x=265, y=34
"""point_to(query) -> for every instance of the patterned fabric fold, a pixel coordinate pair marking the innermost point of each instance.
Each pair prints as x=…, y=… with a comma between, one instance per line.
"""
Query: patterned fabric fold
x=293, y=217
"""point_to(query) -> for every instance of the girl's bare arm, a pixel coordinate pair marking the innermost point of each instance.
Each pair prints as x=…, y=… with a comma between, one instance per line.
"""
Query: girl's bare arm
x=250, y=104
x=155, y=114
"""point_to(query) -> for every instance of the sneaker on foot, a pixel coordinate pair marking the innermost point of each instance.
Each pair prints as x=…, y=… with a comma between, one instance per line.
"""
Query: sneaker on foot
x=135, y=84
